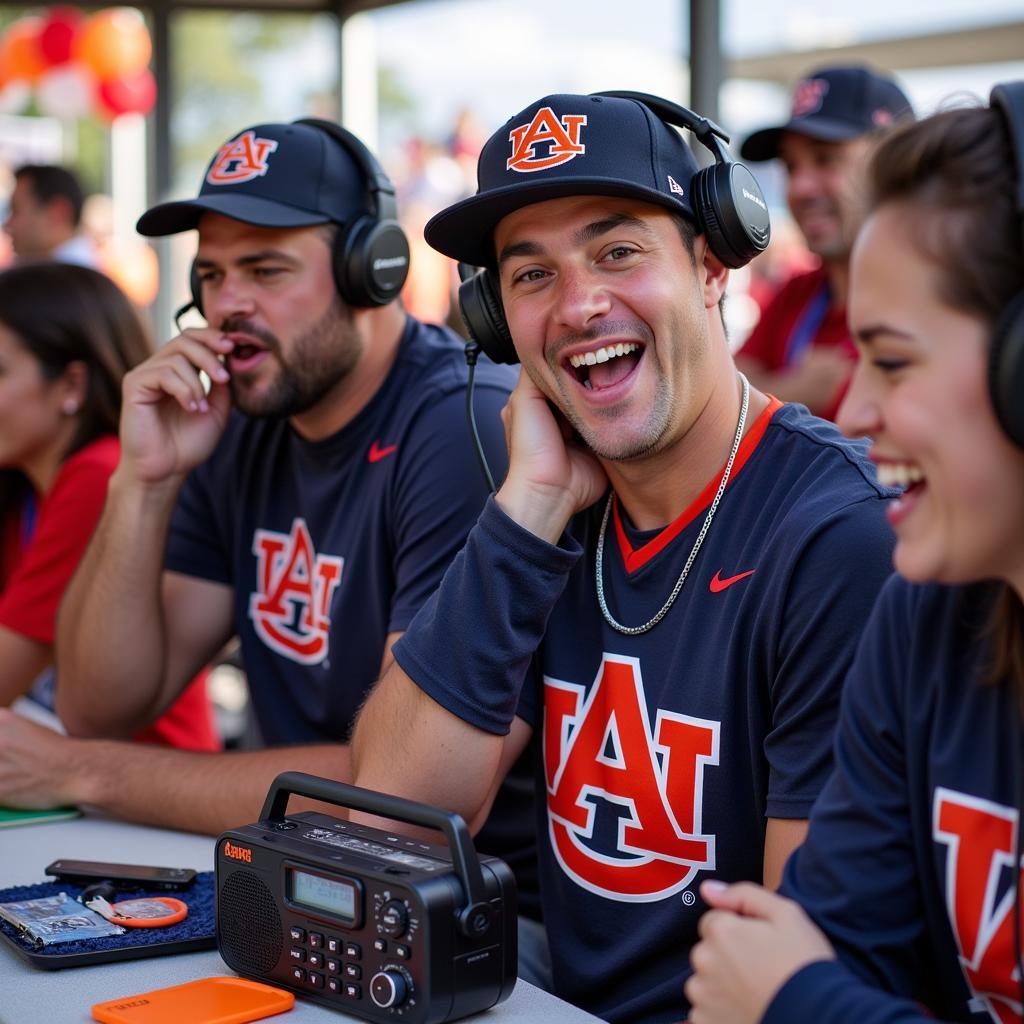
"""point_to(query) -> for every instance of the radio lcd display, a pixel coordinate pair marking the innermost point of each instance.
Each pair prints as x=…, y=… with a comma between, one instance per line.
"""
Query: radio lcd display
x=334, y=895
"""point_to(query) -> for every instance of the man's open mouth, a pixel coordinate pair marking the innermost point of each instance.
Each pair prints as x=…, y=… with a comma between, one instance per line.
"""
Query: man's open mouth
x=606, y=366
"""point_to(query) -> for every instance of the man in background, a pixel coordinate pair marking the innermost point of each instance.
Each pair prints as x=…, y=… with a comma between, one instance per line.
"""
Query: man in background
x=801, y=349
x=45, y=215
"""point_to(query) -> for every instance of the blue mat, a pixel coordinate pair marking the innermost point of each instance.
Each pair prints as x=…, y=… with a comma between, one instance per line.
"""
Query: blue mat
x=196, y=932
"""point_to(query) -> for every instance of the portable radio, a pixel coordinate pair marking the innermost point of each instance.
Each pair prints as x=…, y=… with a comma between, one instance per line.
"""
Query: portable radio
x=377, y=924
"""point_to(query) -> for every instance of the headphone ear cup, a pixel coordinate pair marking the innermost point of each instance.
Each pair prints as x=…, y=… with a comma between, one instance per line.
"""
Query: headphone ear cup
x=732, y=212
x=1006, y=370
x=371, y=262
x=195, y=285
x=484, y=316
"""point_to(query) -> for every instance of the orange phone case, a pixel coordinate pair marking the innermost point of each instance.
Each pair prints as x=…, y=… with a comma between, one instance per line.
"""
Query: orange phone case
x=218, y=1000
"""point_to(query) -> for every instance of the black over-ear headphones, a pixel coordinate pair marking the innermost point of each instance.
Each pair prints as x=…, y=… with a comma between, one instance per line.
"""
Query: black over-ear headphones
x=371, y=255
x=1006, y=362
x=728, y=206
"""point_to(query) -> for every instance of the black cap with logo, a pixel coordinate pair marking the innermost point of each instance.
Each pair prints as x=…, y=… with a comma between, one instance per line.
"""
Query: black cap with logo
x=274, y=176
x=567, y=145
x=834, y=105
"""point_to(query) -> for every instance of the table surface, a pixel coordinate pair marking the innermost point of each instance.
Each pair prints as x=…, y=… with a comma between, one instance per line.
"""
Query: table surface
x=29, y=995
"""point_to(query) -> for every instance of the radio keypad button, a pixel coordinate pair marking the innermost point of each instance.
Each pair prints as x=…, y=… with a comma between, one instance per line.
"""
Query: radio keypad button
x=333, y=966
x=297, y=954
x=298, y=934
x=381, y=945
x=298, y=974
x=316, y=940
x=353, y=991
x=353, y=951
x=354, y=971
x=316, y=980
x=333, y=944
x=402, y=952
x=333, y=984
x=315, y=959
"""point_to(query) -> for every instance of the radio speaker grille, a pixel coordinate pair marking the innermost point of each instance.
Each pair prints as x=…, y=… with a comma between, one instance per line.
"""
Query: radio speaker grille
x=248, y=924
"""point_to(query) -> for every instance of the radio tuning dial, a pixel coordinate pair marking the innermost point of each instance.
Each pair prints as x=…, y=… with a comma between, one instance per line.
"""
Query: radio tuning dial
x=394, y=918
x=388, y=989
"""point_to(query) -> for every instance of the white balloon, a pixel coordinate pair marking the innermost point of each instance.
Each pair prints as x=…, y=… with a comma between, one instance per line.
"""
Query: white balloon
x=66, y=92
x=14, y=96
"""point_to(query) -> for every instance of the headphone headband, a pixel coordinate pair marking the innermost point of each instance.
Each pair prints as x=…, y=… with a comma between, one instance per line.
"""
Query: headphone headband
x=1006, y=362
x=710, y=135
x=378, y=184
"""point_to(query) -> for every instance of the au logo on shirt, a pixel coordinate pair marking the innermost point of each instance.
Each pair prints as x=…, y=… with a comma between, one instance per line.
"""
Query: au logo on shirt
x=981, y=885
x=291, y=608
x=599, y=749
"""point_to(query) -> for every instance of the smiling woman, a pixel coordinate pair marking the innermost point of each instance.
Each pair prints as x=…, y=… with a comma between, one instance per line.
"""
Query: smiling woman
x=911, y=868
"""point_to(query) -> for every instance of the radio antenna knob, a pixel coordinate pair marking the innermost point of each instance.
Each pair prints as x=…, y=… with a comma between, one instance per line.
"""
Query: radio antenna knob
x=388, y=989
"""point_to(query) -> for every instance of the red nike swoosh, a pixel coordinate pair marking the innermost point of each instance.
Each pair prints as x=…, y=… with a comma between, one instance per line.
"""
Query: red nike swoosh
x=718, y=584
x=377, y=453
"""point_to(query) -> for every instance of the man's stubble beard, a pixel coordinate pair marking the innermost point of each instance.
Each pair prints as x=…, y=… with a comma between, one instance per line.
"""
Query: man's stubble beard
x=320, y=359
x=660, y=416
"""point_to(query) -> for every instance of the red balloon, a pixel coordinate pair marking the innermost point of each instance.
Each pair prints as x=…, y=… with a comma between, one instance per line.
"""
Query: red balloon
x=58, y=35
x=129, y=94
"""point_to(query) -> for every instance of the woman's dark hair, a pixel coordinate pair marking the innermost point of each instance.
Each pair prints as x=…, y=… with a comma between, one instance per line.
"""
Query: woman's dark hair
x=62, y=313
x=956, y=172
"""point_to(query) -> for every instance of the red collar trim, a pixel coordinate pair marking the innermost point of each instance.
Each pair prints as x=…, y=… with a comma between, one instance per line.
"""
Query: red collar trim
x=635, y=559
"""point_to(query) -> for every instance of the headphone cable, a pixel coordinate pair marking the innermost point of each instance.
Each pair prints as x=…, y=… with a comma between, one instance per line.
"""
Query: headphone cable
x=472, y=354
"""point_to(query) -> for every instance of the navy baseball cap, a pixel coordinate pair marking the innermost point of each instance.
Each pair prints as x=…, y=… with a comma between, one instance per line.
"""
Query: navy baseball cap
x=834, y=105
x=273, y=176
x=566, y=145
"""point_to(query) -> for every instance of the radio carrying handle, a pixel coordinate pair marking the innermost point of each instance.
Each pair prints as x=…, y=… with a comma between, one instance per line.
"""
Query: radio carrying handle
x=475, y=918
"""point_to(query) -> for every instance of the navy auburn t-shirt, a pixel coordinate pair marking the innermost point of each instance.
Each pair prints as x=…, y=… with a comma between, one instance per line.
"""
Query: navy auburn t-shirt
x=664, y=753
x=908, y=865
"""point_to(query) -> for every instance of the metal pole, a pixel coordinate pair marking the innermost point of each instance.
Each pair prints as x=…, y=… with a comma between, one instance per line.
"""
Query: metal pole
x=706, y=63
x=160, y=169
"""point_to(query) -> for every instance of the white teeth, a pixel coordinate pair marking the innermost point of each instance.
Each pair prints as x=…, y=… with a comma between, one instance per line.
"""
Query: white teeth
x=898, y=474
x=602, y=355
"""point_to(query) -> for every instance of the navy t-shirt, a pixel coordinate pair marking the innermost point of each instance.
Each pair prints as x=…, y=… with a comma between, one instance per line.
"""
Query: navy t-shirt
x=331, y=545
x=665, y=752
x=908, y=865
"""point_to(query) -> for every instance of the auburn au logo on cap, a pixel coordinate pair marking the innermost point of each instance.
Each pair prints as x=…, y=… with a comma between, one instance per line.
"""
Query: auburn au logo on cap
x=241, y=160
x=808, y=96
x=546, y=141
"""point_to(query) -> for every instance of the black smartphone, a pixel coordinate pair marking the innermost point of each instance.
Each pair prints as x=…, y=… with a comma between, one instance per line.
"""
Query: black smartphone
x=141, y=875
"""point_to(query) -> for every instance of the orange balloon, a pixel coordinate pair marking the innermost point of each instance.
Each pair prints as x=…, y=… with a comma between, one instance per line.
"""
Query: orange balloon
x=20, y=55
x=114, y=43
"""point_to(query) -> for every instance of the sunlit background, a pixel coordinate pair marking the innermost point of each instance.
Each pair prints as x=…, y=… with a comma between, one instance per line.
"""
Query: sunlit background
x=424, y=82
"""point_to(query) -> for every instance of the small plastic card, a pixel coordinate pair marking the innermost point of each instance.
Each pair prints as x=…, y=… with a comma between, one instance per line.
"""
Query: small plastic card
x=54, y=919
x=219, y=1000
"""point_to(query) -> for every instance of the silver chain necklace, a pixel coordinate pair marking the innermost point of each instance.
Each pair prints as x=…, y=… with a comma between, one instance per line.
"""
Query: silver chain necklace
x=599, y=565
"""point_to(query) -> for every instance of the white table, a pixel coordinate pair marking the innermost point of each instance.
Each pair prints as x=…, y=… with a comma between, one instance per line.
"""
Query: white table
x=32, y=996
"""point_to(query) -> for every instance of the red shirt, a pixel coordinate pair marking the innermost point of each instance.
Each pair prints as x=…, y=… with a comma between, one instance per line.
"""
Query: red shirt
x=35, y=571
x=771, y=340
